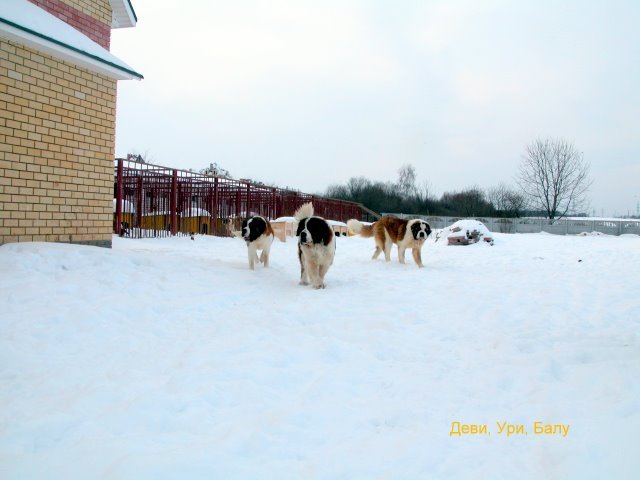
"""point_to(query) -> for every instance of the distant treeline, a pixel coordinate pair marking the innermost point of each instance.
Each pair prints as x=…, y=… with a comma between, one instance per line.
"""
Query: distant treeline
x=405, y=196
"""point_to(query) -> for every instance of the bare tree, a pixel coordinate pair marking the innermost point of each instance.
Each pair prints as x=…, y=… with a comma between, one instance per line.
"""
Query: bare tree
x=470, y=202
x=407, y=180
x=554, y=177
x=424, y=193
x=356, y=185
x=507, y=201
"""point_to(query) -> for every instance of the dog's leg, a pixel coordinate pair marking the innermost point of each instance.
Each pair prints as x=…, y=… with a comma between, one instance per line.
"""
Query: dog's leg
x=388, y=243
x=379, y=248
x=251, y=249
x=417, y=257
x=323, y=271
x=304, y=279
x=314, y=275
x=387, y=250
x=401, y=253
x=264, y=256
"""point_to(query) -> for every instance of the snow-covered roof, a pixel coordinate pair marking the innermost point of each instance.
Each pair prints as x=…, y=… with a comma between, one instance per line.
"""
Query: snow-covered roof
x=123, y=14
x=196, y=212
x=336, y=223
x=23, y=22
x=127, y=206
x=284, y=220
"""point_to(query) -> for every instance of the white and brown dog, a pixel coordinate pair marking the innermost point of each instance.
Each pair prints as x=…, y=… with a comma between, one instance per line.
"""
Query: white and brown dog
x=258, y=234
x=316, y=246
x=389, y=230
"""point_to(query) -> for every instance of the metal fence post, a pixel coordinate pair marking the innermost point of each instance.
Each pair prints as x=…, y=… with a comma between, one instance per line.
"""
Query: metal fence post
x=173, y=203
x=274, y=204
x=139, y=200
x=119, y=197
x=214, y=208
x=248, y=212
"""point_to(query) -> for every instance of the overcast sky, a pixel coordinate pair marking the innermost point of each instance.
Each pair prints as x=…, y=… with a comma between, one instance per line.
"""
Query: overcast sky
x=307, y=93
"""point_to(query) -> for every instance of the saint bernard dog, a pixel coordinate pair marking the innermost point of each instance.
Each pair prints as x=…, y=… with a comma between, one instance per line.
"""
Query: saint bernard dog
x=316, y=246
x=389, y=230
x=258, y=234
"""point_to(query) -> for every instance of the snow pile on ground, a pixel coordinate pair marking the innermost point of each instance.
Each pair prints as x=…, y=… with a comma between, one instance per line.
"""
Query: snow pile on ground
x=169, y=358
x=594, y=233
x=465, y=232
x=336, y=223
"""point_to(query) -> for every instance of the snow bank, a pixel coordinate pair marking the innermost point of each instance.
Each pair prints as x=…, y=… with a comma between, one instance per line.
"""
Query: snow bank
x=168, y=358
x=464, y=232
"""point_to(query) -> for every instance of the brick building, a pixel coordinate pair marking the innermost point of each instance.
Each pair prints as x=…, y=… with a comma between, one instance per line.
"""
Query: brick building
x=57, y=118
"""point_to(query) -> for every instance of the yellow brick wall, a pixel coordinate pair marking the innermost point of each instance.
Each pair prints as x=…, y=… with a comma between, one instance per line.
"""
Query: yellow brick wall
x=98, y=9
x=57, y=131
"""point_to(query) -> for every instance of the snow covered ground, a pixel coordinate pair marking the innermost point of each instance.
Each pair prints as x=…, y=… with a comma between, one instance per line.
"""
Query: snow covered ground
x=170, y=359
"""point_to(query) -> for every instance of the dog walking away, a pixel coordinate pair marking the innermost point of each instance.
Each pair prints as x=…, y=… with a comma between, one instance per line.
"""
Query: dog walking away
x=258, y=234
x=316, y=246
x=389, y=230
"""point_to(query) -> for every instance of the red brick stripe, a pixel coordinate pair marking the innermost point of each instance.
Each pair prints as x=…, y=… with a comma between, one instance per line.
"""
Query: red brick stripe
x=92, y=28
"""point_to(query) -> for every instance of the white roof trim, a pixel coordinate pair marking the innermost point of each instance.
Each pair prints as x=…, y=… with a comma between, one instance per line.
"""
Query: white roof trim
x=123, y=15
x=25, y=23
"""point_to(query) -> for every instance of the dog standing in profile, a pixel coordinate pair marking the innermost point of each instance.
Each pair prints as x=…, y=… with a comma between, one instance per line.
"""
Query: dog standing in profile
x=258, y=234
x=316, y=246
x=389, y=230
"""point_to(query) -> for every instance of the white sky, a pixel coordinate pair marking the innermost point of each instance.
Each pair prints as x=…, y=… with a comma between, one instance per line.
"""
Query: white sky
x=306, y=94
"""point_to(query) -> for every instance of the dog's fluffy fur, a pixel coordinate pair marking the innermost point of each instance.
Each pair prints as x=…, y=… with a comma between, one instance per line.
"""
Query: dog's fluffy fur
x=389, y=230
x=258, y=234
x=316, y=246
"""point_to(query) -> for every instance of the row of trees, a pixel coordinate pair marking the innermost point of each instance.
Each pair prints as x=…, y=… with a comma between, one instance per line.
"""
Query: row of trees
x=392, y=197
x=552, y=180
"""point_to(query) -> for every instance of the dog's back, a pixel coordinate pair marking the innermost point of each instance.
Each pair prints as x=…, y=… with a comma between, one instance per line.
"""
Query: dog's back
x=395, y=228
x=392, y=227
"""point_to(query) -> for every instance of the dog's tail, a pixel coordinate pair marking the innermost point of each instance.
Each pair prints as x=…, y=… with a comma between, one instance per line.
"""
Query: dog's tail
x=305, y=211
x=358, y=228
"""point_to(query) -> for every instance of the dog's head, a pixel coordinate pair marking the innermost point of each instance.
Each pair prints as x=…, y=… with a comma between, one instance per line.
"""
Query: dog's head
x=420, y=230
x=253, y=228
x=314, y=230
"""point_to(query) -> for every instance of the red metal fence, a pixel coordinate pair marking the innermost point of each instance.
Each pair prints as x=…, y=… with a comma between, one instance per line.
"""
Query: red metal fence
x=153, y=201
